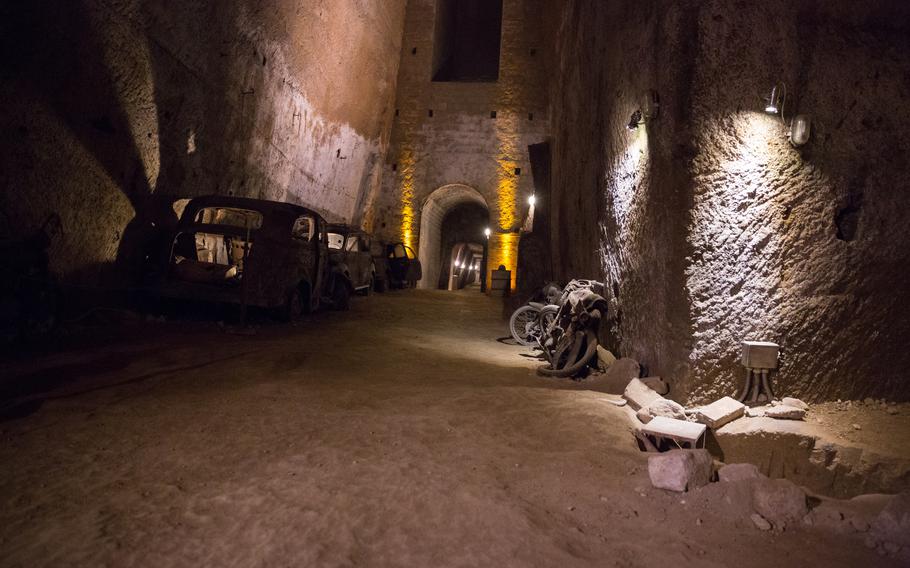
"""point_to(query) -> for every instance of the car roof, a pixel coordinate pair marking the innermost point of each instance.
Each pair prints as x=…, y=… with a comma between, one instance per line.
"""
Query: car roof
x=262, y=205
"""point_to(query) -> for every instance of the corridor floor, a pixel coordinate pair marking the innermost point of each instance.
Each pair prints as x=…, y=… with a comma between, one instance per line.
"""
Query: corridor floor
x=400, y=433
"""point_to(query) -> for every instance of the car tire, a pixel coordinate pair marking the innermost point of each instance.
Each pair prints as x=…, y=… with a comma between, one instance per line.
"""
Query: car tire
x=341, y=297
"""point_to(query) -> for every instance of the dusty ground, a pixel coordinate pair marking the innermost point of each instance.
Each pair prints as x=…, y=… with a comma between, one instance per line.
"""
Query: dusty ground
x=400, y=434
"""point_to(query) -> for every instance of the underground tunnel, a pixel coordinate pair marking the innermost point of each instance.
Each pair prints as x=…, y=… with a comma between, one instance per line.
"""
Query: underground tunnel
x=454, y=283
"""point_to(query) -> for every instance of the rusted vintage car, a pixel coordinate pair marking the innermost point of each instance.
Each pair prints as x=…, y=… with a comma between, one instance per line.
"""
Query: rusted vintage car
x=404, y=269
x=251, y=252
x=349, y=251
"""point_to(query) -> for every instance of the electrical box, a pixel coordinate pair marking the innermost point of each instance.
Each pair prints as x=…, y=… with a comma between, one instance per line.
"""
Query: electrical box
x=760, y=354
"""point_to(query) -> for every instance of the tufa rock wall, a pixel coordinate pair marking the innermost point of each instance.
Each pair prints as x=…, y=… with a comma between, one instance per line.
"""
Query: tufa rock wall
x=114, y=108
x=707, y=225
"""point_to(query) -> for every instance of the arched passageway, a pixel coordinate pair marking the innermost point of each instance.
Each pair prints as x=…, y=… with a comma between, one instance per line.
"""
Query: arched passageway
x=438, y=205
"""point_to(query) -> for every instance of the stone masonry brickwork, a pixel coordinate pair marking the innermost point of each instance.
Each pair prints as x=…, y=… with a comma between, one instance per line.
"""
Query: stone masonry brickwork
x=113, y=108
x=460, y=143
x=707, y=225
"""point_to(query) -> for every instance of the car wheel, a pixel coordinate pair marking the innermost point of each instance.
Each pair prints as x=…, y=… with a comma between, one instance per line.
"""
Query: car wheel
x=341, y=297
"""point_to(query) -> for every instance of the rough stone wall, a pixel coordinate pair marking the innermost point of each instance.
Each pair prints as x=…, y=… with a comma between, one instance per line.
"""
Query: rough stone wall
x=114, y=107
x=460, y=143
x=711, y=227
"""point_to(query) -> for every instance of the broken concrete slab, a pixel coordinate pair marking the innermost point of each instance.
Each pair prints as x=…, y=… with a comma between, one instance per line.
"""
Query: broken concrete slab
x=639, y=394
x=657, y=384
x=720, y=412
x=794, y=402
x=668, y=408
x=738, y=472
x=680, y=431
x=784, y=412
x=644, y=416
x=680, y=470
x=780, y=501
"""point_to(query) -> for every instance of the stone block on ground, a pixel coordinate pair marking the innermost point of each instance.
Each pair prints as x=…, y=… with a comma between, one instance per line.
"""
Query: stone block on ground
x=657, y=384
x=738, y=472
x=760, y=522
x=605, y=358
x=889, y=532
x=780, y=501
x=680, y=470
x=668, y=408
x=720, y=412
x=644, y=416
x=755, y=411
x=640, y=395
x=785, y=412
x=794, y=402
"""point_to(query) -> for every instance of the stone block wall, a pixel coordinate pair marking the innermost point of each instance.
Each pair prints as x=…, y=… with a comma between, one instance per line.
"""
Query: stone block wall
x=461, y=143
x=707, y=224
x=113, y=108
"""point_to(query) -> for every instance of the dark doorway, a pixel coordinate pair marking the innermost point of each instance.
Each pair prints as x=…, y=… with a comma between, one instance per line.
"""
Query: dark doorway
x=463, y=224
x=467, y=38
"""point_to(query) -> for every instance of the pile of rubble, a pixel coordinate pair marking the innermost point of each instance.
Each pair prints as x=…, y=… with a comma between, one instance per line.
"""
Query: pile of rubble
x=677, y=435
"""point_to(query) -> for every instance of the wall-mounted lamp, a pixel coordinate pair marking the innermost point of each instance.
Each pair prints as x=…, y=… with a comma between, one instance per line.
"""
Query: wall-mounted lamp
x=650, y=105
x=800, y=129
x=775, y=101
x=487, y=232
x=800, y=125
x=532, y=201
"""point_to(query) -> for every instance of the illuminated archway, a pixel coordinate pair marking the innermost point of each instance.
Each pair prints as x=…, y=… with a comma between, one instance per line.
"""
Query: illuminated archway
x=432, y=213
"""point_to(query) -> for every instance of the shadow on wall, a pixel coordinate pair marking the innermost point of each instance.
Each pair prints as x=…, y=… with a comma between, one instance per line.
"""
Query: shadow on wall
x=88, y=81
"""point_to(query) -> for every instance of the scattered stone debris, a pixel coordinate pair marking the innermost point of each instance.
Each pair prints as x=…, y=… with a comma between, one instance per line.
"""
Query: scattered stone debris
x=785, y=412
x=663, y=407
x=892, y=410
x=638, y=393
x=681, y=470
x=760, y=522
x=738, y=472
x=794, y=402
x=780, y=501
x=857, y=427
x=755, y=412
x=720, y=412
x=889, y=532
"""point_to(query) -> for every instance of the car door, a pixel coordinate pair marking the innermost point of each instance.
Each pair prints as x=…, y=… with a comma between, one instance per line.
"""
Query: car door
x=351, y=254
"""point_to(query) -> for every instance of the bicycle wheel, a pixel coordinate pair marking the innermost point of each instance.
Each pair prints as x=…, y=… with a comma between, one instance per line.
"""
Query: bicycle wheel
x=522, y=323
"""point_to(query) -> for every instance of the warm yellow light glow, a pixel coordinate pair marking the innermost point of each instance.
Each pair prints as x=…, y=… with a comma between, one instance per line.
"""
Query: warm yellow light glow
x=503, y=250
x=406, y=164
x=532, y=201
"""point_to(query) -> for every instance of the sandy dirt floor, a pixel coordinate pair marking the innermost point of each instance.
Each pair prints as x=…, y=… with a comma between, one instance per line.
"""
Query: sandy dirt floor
x=398, y=434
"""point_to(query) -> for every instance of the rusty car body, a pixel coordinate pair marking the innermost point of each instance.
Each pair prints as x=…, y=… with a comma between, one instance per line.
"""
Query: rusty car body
x=251, y=252
x=404, y=269
x=349, y=251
